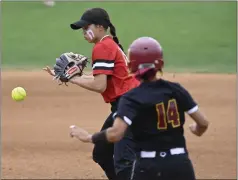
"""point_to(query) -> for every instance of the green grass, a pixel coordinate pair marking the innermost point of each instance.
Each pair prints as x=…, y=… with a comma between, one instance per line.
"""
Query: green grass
x=196, y=36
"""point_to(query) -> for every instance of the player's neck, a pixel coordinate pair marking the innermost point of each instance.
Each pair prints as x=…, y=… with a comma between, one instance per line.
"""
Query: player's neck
x=101, y=37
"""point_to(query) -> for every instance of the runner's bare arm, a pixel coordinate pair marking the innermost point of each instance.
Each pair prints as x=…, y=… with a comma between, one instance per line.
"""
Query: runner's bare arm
x=112, y=134
x=201, y=123
x=117, y=131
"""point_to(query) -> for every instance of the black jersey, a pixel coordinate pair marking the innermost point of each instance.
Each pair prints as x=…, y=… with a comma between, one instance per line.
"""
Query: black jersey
x=155, y=112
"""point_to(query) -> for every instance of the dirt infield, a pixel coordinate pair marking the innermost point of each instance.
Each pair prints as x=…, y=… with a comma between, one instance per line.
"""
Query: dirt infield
x=36, y=144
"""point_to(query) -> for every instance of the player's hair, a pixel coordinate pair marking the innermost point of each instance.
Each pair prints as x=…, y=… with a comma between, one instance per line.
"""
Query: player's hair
x=113, y=33
x=149, y=75
x=108, y=24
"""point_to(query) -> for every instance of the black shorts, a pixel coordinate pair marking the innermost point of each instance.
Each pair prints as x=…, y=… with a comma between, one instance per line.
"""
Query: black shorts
x=163, y=167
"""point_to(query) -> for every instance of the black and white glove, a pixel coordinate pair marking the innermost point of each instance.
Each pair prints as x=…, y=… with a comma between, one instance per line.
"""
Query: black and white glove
x=69, y=65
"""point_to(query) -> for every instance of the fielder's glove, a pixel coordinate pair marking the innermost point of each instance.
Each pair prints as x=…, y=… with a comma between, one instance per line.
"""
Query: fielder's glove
x=69, y=65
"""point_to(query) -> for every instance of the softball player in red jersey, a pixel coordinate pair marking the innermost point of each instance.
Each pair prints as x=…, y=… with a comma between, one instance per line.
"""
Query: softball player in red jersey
x=110, y=78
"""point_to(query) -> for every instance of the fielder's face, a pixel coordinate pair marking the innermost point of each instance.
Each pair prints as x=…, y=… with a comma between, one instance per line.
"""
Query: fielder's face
x=92, y=32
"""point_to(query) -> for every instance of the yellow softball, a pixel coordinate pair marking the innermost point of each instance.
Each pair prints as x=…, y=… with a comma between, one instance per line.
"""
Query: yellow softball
x=18, y=94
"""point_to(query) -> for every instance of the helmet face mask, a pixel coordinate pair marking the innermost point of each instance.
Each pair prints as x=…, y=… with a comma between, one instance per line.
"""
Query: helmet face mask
x=145, y=53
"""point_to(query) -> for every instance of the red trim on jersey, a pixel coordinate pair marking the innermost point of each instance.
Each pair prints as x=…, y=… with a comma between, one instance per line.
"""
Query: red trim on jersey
x=107, y=72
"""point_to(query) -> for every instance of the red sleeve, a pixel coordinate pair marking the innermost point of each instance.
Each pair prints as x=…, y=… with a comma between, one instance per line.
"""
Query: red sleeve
x=102, y=60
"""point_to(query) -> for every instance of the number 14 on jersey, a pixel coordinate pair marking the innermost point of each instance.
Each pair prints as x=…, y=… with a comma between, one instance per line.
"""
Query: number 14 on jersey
x=169, y=115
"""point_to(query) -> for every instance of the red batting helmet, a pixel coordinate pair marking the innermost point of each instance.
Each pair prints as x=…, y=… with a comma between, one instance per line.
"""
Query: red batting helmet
x=145, y=54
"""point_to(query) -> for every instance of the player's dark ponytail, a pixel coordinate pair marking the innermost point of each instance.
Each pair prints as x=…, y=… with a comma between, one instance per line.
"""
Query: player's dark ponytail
x=107, y=23
x=113, y=33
